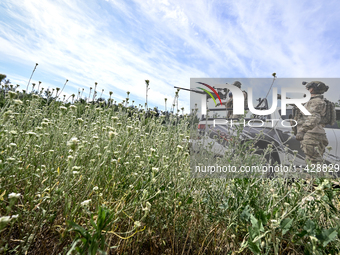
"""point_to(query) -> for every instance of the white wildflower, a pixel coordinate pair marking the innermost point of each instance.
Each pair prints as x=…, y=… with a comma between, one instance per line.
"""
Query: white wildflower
x=137, y=224
x=95, y=188
x=73, y=142
x=12, y=145
x=17, y=102
x=5, y=219
x=147, y=207
x=16, y=195
x=30, y=133
x=11, y=94
x=86, y=202
x=112, y=134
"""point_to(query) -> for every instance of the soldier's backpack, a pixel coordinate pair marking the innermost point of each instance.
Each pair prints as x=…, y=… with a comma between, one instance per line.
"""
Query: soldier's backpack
x=330, y=116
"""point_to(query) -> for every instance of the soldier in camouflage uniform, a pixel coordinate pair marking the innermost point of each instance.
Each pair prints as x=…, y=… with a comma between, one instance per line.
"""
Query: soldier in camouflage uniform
x=229, y=103
x=310, y=131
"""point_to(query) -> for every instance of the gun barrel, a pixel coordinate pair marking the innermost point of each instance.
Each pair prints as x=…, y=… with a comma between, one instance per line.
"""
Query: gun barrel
x=191, y=90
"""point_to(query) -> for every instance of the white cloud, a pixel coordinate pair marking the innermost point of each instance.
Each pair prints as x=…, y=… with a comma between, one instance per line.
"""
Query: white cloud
x=119, y=44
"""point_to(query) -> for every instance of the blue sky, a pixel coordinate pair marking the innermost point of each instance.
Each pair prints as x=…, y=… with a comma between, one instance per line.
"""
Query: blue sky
x=119, y=44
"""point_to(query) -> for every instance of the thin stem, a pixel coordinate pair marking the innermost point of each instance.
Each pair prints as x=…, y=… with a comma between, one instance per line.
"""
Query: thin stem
x=31, y=76
x=62, y=88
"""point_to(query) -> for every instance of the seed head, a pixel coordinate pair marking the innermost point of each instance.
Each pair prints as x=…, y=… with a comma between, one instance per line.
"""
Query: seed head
x=11, y=94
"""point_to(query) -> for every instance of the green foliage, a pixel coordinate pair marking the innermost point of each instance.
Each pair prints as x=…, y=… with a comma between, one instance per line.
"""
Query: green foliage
x=93, y=241
x=102, y=178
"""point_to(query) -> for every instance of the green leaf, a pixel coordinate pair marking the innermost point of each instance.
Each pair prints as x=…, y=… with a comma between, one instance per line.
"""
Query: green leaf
x=262, y=216
x=223, y=206
x=257, y=225
x=245, y=215
x=254, y=247
x=327, y=235
x=77, y=228
x=285, y=225
x=253, y=221
x=93, y=224
x=190, y=200
x=309, y=227
x=73, y=247
x=302, y=233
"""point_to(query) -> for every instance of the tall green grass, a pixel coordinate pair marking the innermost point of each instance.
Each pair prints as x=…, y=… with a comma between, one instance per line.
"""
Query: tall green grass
x=87, y=178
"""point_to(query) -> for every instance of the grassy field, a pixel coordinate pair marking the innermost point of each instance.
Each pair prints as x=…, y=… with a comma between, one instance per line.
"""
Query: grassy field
x=89, y=178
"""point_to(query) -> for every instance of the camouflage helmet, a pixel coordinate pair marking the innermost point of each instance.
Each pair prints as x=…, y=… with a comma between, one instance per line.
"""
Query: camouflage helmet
x=318, y=86
x=237, y=84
